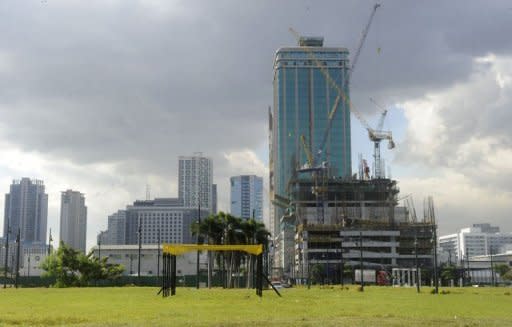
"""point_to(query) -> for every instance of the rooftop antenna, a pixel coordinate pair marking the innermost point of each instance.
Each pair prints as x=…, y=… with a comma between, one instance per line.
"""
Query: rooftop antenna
x=148, y=192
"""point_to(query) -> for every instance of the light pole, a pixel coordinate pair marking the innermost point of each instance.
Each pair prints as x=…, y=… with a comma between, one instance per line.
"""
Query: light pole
x=361, y=259
x=140, y=250
x=158, y=257
x=492, y=268
x=416, y=261
x=469, y=268
x=434, y=240
x=99, y=249
x=50, y=240
x=198, y=234
x=6, y=252
x=18, y=241
x=341, y=259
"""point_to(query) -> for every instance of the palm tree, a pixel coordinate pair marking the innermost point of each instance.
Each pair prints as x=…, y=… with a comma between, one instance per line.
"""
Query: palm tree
x=224, y=228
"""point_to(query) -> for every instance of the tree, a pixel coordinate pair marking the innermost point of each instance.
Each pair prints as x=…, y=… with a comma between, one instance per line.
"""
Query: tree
x=317, y=273
x=226, y=229
x=448, y=272
x=502, y=269
x=507, y=275
x=72, y=268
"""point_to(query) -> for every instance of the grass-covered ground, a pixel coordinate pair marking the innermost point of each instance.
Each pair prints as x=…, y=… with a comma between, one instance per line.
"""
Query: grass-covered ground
x=139, y=306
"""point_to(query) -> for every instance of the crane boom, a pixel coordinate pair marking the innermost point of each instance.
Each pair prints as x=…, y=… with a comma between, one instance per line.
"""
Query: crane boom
x=363, y=38
x=340, y=91
x=307, y=150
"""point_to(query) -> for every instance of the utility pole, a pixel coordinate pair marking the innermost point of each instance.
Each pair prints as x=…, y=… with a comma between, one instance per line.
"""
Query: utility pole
x=18, y=241
x=341, y=259
x=158, y=257
x=6, y=252
x=492, y=268
x=99, y=249
x=416, y=259
x=50, y=240
x=140, y=249
x=198, y=236
x=361, y=259
x=434, y=240
x=469, y=269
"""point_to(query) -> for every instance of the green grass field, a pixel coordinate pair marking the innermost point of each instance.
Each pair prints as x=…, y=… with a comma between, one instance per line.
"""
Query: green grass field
x=139, y=306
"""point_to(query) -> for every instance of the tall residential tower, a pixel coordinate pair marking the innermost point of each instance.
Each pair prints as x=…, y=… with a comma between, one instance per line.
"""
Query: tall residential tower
x=247, y=197
x=26, y=209
x=73, y=219
x=195, y=181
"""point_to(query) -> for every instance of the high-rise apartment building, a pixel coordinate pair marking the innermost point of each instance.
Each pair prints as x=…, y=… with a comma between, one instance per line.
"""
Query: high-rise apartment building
x=26, y=209
x=117, y=227
x=73, y=219
x=247, y=197
x=303, y=99
x=195, y=181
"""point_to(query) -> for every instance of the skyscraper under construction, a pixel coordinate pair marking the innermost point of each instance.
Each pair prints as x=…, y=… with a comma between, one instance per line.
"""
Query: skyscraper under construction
x=303, y=99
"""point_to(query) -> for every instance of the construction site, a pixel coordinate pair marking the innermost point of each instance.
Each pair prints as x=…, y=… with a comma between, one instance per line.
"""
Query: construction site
x=328, y=220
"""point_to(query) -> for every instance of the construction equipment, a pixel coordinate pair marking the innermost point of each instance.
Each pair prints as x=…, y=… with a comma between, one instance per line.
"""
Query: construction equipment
x=314, y=159
x=340, y=91
x=376, y=136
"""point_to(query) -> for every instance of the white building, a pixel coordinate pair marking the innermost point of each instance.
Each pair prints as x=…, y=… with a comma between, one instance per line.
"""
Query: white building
x=33, y=257
x=195, y=181
x=247, y=197
x=73, y=219
x=479, y=240
x=161, y=219
x=128, y=256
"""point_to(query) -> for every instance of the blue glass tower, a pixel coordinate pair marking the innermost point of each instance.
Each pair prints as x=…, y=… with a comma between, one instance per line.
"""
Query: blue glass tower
x=303, y=99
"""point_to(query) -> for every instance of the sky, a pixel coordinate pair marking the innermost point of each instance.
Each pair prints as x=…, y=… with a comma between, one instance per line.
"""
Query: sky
x=102, y=96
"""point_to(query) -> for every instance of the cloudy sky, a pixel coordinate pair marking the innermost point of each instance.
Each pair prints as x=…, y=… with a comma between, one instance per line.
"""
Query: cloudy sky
x=103, y=96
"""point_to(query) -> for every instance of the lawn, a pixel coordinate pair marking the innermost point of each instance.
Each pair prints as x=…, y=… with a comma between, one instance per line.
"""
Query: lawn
x=139, y=306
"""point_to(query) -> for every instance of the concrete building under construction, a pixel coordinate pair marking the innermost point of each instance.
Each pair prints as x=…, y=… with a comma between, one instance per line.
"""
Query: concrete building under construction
x=319, y=212
x=348, y=222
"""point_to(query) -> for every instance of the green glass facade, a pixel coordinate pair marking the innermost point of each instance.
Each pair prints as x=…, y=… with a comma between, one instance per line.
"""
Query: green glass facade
x=303, y=99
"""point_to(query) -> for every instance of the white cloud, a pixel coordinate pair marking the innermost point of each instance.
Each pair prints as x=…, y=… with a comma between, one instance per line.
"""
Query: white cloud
x=246, y=162
x=459, y=139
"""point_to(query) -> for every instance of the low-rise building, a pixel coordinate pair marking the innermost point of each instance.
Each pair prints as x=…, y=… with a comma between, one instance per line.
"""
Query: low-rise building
x=150, y=259
x=479, y=240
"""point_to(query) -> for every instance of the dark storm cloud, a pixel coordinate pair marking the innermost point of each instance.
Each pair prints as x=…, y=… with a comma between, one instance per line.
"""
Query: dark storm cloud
x=123, y=80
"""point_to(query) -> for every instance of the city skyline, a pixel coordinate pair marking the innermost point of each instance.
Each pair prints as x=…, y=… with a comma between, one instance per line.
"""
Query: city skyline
x=163, y=95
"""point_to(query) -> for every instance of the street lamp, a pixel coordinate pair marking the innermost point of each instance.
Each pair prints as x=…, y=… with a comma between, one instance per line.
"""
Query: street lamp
x=416, y=261
x=6, y=252
x=140, y=249
x=492, y=268
x=99, y=248
x=434, y=241
x=18, y=241
x=361, y=259
x=341, y=259
x=198, y=233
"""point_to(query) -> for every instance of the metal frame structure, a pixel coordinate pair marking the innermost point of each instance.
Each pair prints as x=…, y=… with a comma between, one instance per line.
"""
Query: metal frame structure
x=170, y=251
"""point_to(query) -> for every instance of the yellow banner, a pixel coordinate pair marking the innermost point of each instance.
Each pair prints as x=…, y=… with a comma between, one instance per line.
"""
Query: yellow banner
x=179, y=249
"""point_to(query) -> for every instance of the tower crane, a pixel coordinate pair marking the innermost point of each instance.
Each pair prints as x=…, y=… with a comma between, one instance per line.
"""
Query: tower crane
x=341, y=93
x=376, y=136
x=314, y=159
